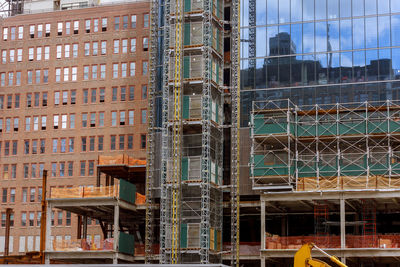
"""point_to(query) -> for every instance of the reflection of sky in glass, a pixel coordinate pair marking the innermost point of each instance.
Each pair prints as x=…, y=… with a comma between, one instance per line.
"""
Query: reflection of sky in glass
x=358, y=7
x=370, y=7
x=284, y=11
x=296, y=36
x=272, y=11
x=308, y=37
x=345, y=8
x=320, y=10
x=359, y=58
x=261, y=47
x=296, y=10
x=333, y=9
x=308, y=10
x=358, y=39
x=396, y=58
x=320, y=36
x=383, y=7
x=345, y=34
x=271, y=32
x=261, y=16
x=395, y=30
x=395, y=6
x=384, y=31
x=371, y=33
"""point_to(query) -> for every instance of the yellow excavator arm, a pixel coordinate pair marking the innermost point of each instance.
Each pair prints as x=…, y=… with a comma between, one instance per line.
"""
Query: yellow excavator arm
x=303, y=258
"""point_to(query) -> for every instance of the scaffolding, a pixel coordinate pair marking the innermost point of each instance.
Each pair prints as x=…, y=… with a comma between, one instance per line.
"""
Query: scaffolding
x=348, y=146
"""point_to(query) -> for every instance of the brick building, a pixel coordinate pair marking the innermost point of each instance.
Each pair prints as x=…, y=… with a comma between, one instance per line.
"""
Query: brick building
x=73, y=86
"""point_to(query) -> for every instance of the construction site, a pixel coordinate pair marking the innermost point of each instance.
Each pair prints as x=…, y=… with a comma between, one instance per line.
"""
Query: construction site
x=242, y=180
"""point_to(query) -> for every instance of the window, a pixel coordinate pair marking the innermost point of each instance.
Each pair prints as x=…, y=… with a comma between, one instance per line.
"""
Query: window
x=113, y=118
x=59, y=28
x=93, y=95
x=68, y=220
x=64, y=121
x=46, y=52
x=72, y=121
x=31, y=218
x=95, y=25
x=53, y=169
x=87, y=25
x=92, y=119
x=76, y=27
x=144, y=67
x=35, y=123
x=58, y=74
x=95, y=48
x=124, y=46
x=101, y=119
x=131, y=115
x=122, y=118
x=143, y=141
x=42, y=147
x=115, y=70
x=44, y=118
x=47, y=30
x=104, y=24
x=34, y=148
x=37, y=76
x=12, y=55
x=71, y=144
x=68, y=27
x=82, y=169
x=32, y=31
x=4, y=195
x=91, y=143
x=74, y=73
x=63, y=143
x=62, y=169
x=55, y=121
x=116, y=46
x=66, y=74
x=5, y=34
x=36, y=100
x=24, y=194
x=67, y=50
x=73, y=97
x=85, y=96
x=123, y=69
x=130, y=141
x=112, y=143
x=133, y=21
x=87, y=49
x=145, y=20
x=103, y=47
x=12, y=195
x=145, y=44
x=19, y=54
x=27, y=124
x=86, y=72
x=7, y=148
x=23, y=223
x=18, y=80
x=144, y=116
x=30, y=56
x=65, y=97
x=59, y=51
x=4, y=56
x=40, y=30
x=83, y=143
x=16, y=124
x=102, y=71
x=100, y=140
x=75, y=50
x=114, y=93
x=116, y=23
x=38, y=218
x=32, y=195
x=45, y=75
x=70, y=168
x=144, y=91
x=124, y=22
x=9, y=101
x=52, y=218
x=131, y=92
x=38, y=53
x=123, y=93
x=56, y=98
x=133, y=45
x=84, y=120
x=121, y=142
x=2, y=79
x=44, y=99
x=20, y=32
x=10, y=78
x=55, y=145
x=26, y=171
x=94, y=72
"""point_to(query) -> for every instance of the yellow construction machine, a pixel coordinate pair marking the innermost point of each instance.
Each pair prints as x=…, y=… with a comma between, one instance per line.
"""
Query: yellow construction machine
x=303, y=258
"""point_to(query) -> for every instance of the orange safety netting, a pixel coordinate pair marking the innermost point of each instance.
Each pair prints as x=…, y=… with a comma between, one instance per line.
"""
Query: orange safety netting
x=140, y=249
x=83, y=245
x=140, y=199
x=333, y=241
x=120, y=160
x=347, y=183
x=84, y=192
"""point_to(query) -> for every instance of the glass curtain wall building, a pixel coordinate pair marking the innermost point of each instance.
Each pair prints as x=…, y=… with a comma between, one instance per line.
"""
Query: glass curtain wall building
x=319, y=52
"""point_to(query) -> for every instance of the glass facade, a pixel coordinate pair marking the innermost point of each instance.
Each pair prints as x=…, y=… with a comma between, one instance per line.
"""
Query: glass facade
x=319, y=51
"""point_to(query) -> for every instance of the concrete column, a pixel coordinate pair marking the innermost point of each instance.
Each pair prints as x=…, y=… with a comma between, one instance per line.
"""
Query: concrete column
x=262, y=261
x=262, y=225
x=48, y=229
x=342, y=223
x=116, y=227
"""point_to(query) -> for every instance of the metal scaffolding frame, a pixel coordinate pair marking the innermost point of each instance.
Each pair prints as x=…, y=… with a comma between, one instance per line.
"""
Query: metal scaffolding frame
x=325, y=147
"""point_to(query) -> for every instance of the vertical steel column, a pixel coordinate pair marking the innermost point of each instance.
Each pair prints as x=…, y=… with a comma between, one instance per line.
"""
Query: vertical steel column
x=164, y=206
x=235, y=136
x=154, y=29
